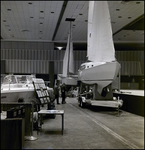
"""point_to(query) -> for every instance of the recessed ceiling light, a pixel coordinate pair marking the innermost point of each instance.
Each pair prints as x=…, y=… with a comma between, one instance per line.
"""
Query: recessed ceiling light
x=117, y=9
x=30, y=3
x=41, y=23
x=25, y=30
x=52, y=12
x=31, y=17
x=80, y=14
x=129, y=17
x=42, y=11
x=4, y=20
x=119, y=16
x=86, y=20
x=9, y=9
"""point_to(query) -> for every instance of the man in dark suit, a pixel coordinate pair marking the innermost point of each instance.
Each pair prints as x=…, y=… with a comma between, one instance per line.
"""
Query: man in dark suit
x=56, y=93
x=63, y=93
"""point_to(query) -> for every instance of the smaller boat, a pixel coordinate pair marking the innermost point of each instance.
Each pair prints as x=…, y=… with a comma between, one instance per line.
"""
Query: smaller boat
x=67, y=76
x=14, y=87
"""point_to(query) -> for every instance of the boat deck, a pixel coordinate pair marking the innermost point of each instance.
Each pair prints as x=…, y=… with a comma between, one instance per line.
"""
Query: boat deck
x=90, y=128
x=133, y=101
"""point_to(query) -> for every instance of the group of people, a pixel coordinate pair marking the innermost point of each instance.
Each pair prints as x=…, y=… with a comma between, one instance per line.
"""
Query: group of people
x=56, y=93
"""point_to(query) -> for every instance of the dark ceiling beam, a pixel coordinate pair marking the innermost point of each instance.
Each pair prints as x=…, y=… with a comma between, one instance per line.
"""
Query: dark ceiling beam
x=137, y=24
x=60, y=17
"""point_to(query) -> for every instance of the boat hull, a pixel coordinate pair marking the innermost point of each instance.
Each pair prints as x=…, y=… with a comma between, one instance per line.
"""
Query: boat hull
x=14, y=95
x=101, y=73
x=69, y=81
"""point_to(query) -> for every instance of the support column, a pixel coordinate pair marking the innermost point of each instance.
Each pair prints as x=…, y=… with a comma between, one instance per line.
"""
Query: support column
x=51, y=73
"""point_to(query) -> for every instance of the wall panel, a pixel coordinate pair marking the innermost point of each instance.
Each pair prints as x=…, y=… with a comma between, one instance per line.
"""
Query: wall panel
x=34, y=45
x=27, y=45
x=40, y=46
x=21, y=45
x=24, y=57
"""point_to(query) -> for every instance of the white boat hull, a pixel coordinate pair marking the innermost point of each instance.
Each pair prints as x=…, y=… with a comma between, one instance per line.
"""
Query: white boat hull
x=106, y=73
x=14, y=95
x=69, y=81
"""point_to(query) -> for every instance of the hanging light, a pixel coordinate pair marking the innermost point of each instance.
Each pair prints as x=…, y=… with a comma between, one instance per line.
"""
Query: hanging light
x=60, y=48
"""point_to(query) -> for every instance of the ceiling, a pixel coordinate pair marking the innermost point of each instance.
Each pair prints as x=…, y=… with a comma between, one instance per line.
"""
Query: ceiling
x=44, y=21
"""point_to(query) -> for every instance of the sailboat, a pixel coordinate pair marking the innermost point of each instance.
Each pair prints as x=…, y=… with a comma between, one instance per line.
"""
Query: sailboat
x=101, y=69
x=68, y=62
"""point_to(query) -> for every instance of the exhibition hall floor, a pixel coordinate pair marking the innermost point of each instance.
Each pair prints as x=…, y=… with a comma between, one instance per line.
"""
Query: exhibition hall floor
x=89, y=128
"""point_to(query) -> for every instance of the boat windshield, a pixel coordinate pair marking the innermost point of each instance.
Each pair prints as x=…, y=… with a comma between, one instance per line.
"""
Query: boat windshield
x=10, y=79
x=14, y=79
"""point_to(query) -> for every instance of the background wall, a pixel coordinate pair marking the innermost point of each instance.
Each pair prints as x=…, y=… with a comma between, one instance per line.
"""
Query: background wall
x=34, y=58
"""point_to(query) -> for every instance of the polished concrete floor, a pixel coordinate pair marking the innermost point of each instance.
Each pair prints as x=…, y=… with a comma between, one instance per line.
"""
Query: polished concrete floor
x=89, y=128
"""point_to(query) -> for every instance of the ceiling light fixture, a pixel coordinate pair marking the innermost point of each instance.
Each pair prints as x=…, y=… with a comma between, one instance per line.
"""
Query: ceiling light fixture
x=60, y=48
x=9, y=9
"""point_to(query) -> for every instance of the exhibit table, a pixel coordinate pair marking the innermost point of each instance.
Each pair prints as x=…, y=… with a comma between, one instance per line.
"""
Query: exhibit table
x=52, y=112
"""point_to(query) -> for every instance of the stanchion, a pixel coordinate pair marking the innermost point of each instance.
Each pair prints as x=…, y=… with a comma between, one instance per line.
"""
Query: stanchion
x=31, y=138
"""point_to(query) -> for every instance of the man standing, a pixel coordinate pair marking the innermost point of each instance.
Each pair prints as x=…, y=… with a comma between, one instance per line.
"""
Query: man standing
x=63, y=93
x=56, y=93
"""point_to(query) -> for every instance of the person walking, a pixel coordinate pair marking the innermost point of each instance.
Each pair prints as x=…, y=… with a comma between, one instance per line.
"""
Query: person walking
x=63, y=93
x=56, y=93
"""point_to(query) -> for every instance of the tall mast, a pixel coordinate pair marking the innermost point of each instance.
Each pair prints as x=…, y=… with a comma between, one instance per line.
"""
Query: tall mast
x=70, y=40
x=69, y=49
